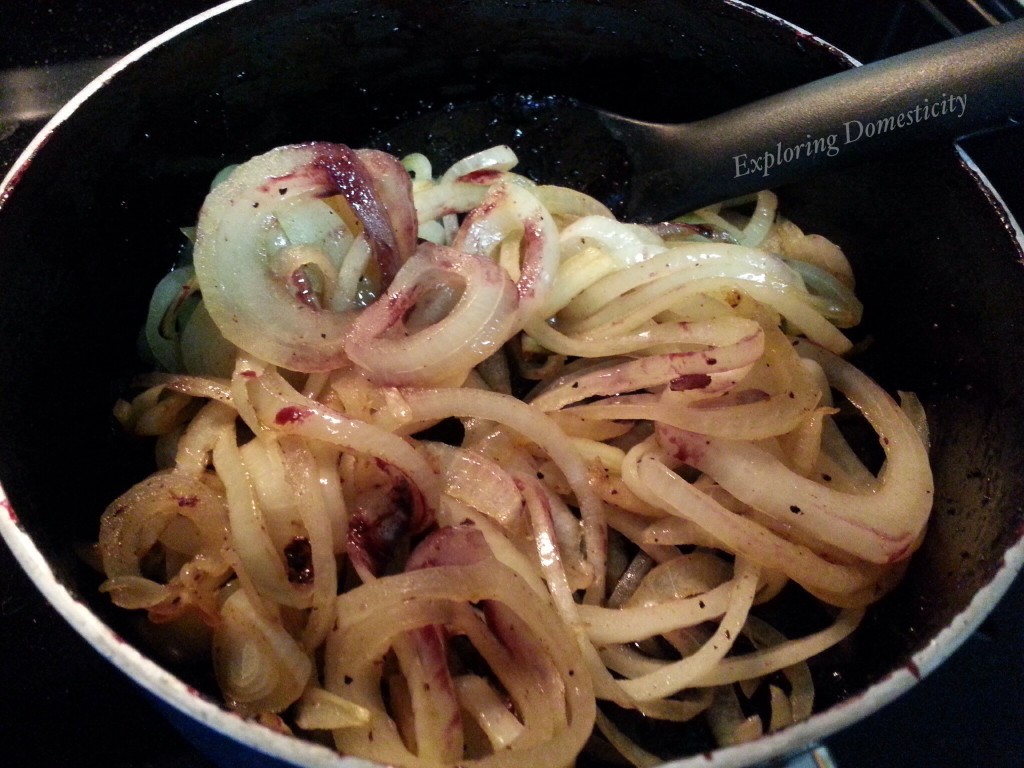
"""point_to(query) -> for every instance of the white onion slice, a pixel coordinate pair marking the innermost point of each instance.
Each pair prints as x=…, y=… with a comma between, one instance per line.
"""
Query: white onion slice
x=483, y=704
x=259, y=666
x=674, y=676
x=479, y=482
x=734, y=345
x=497, y=158
x=626, y=244
x=321, y=710
x=670, y=269
x=136, y=522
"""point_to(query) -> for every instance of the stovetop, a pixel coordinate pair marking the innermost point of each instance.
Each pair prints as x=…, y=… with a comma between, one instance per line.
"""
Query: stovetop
x=63, y=705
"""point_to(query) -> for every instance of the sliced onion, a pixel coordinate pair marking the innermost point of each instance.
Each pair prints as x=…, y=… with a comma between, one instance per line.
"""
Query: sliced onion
x=259, y=666
x=628, y=582
x=629, y=624
x=204, y=350
x=510, y=211
x=321, y=710
x=576, y=272
x=438, y=404
x=650, y=478
x=136, y=521
x=626, y=244
x=134, y=592
x=880, y=527
x=738, y=345
x=392, y=190
x=563, y=201
x=478, y=481
x=476, y=324
x=503, y=548
x=498, y=158
x=436, y=729
x=677, y=675
x=438, y=200
x=836, y=301
x=728, y=721
x=158, y=411
x=781, y=653
x=195, y=446
x=240, y=233
x=165, y=304
x=670, y=269
x=814, y=249
x=555, y=555
x=781, y=394
x=761, y=220
x=261, y=563
x=278, y=406
x=195, y=386
x=541, y=668
x=481, y=702
x=684, y=576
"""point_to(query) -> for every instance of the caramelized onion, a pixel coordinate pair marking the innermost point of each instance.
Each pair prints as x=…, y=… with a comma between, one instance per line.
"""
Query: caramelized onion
x=678, y=442
x=477, y=320
x=259, y=667
x=284, y=200
x=371, y=616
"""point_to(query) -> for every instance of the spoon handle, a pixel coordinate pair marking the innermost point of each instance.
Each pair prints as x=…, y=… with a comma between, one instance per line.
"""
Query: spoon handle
x=947, y=90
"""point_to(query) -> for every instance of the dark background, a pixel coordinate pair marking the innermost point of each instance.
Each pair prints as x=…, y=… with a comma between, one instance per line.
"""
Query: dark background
x=63, y=705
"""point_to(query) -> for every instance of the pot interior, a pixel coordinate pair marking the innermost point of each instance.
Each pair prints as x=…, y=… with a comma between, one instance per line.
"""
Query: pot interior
x=93, y=222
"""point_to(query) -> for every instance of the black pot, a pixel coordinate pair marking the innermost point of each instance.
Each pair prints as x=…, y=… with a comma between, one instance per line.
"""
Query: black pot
x=89, y=222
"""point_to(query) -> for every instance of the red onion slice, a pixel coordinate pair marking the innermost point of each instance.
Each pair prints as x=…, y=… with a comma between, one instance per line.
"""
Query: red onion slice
x=510, y=211
x=883, y=526
x=476, y=325
x=278, y=202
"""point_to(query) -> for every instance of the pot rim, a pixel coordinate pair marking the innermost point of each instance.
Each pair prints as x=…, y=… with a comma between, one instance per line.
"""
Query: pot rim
x=168, y=688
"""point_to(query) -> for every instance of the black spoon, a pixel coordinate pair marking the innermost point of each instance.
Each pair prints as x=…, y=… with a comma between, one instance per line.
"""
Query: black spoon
x=651, y=172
